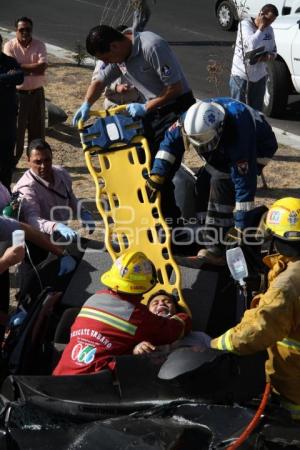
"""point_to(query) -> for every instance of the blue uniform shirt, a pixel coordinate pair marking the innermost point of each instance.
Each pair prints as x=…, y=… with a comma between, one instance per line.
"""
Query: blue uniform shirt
x=246, y=145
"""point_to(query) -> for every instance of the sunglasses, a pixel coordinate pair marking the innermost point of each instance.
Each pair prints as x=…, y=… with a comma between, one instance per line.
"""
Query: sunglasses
x=26, y=29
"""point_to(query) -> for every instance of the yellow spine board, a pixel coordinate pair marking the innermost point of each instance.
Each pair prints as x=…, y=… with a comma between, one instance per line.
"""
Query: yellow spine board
x=131, y=220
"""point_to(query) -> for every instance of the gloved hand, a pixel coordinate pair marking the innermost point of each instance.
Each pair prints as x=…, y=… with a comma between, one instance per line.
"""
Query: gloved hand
x=81, y=113
x=154, y=183
x=136, y=109
x=67, y=265
x=65, y=231
x=17, y=318
x=87, y=221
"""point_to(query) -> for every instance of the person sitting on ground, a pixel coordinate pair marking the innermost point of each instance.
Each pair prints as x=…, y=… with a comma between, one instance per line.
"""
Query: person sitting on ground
x=111, y=322
x=164, y=304
x=48, y=199
x=236, y=142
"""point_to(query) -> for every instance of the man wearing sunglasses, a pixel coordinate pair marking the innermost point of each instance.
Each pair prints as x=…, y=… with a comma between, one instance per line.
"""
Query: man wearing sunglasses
x=235, y=142
x=32, y=56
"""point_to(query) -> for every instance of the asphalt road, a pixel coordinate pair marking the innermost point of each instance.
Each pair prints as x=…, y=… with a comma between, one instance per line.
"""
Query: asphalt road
x=189, y=26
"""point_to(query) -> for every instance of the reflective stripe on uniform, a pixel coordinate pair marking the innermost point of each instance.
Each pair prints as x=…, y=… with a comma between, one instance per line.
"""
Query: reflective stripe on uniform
x=289, y=343
x=108, y=319
x=224, y=342
x=166, y=156
x=111, y=304
x=292, y=408
x=220, y=208
x=244, y=206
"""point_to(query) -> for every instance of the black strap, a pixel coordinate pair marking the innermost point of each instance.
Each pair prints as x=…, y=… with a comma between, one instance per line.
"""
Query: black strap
x=67, y=197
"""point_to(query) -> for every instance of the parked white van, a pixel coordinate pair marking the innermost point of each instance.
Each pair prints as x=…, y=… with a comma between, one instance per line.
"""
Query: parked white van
x=228, y=12
x=283, y=73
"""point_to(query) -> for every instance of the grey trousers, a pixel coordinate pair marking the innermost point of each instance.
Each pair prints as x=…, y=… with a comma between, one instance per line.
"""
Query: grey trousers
x=31, y=117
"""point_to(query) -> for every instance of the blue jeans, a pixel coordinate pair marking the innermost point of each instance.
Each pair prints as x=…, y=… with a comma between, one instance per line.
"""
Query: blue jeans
x=256, y=91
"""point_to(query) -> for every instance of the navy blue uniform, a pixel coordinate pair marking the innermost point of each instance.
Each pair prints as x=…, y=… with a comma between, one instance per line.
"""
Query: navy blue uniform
x=246, y=145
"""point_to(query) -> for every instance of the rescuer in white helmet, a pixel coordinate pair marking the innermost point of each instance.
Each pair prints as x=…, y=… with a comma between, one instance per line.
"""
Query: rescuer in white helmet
x=236, y=142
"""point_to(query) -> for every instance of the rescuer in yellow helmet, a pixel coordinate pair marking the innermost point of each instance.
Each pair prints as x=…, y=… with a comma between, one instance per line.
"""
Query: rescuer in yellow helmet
x=111, y=322
x=273, y=323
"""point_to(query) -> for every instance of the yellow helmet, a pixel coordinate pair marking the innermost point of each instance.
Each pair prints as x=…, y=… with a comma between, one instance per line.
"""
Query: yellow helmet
x=283, y=219
x=132, y=273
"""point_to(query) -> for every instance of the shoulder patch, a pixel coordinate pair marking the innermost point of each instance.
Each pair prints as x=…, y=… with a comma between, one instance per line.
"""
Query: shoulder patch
x=174, y=125
x=165, y=70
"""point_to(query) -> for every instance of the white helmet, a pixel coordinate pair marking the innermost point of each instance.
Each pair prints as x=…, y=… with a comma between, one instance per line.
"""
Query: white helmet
x=203, y=125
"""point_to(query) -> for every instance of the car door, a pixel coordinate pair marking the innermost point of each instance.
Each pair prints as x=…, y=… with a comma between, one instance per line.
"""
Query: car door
x=296, y=57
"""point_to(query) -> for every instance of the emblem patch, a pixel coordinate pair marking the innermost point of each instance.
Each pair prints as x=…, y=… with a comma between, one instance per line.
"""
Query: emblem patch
x=293, y=218
x=84, y=354
x=165, y=70
x=274, y=217
x=174, y=125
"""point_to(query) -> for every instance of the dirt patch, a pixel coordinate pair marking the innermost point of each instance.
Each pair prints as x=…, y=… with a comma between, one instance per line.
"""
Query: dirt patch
x=66, y=87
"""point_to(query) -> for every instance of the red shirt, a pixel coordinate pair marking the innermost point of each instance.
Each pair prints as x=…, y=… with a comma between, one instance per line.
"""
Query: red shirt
x=109, y=325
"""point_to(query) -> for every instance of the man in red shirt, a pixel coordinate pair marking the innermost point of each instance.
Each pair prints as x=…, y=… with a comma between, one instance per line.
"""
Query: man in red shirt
x=113, y=321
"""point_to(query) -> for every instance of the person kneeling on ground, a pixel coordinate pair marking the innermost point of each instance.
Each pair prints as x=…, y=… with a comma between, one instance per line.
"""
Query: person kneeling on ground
x=111, y=322
x=236, y=142
x=48, y=199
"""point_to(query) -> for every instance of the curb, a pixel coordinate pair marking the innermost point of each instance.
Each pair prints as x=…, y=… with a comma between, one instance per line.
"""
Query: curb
x=283, y=137
x=286, y=138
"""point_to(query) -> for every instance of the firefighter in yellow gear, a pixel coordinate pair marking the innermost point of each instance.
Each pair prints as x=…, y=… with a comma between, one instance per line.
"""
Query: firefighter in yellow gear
x=273, y=322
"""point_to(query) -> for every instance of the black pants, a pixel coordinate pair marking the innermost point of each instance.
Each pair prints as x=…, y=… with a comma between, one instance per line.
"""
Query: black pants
x=215, y=205
x=31, y=117
x=156, y=124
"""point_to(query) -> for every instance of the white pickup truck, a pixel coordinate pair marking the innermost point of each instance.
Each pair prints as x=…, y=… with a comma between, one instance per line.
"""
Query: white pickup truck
x=283, y=73
x=228, y=12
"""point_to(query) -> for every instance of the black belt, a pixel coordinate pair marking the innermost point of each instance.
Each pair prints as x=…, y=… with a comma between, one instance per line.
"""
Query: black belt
x=24, y=92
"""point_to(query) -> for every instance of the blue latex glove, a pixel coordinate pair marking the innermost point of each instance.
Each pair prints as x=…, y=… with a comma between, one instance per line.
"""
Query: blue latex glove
x=81, y=113
x=67, y=264
x=136, y=109
x=65, y=231
x=87, y=221
x=17, y=318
